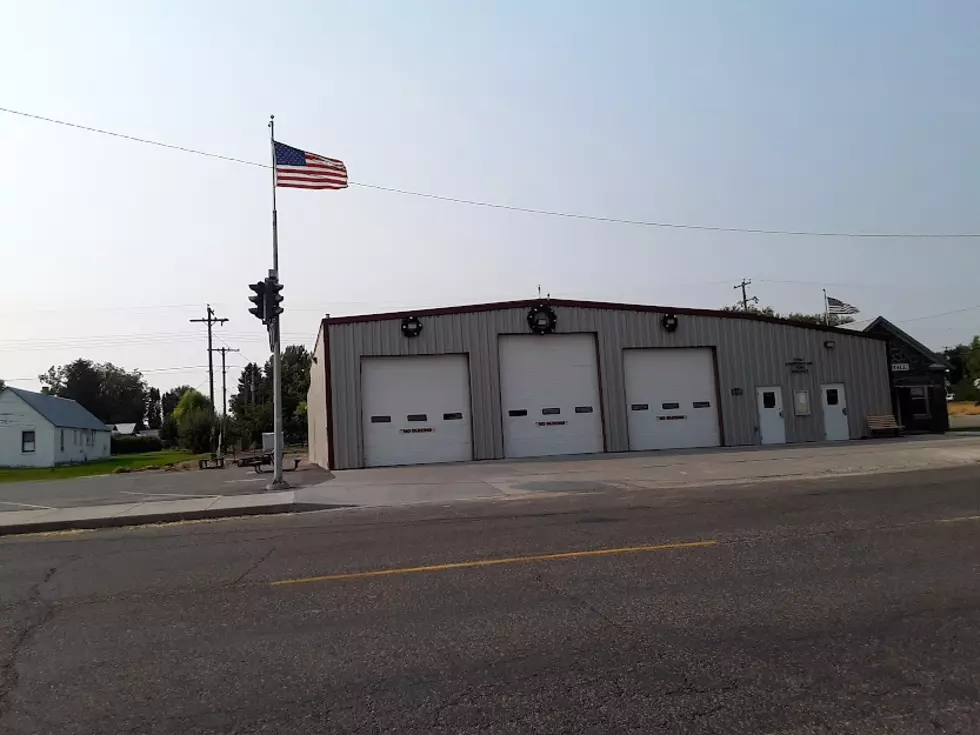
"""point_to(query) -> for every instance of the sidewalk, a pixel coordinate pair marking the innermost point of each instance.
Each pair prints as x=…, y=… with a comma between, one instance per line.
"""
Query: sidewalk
x=503, y=479
x=640, y=471
x=133, y=514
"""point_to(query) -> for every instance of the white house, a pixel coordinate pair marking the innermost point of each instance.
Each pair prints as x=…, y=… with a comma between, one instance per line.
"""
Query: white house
x=38, y=430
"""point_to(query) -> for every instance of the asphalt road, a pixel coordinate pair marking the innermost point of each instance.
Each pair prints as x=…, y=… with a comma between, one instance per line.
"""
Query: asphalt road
x=144, y=486
x=849, y=605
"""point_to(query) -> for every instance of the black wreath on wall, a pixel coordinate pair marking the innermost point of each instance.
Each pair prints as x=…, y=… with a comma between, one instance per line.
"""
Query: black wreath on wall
x=542, y=319
x=411, y=326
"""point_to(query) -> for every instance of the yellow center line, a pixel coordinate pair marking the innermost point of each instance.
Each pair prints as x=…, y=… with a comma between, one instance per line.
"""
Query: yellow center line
x=959, y=519
x=495, y=562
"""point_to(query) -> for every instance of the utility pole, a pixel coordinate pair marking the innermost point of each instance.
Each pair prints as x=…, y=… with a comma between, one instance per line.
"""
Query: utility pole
x=746, y=299
x=224, y=394
x=210, y=320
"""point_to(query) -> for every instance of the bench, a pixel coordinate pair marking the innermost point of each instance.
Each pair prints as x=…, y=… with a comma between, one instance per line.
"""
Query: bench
x=878, y=424
x=254, y=461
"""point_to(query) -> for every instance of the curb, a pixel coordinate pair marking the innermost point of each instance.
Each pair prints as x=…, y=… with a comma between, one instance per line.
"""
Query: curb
x=123, y=521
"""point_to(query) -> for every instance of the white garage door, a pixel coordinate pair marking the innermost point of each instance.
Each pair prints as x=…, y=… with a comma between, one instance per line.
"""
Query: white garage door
x=549, y=387
x=415, y=410
x=671, y=400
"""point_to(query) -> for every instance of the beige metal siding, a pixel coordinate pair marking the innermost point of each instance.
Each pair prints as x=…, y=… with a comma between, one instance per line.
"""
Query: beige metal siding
x=316, y=405
x=748, y=354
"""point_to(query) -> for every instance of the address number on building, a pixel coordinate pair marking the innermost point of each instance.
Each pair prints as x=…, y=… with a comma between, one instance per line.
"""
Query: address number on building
x=900, y=367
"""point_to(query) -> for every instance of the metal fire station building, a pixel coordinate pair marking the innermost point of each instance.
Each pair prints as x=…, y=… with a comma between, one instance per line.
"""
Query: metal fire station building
x=538, y=378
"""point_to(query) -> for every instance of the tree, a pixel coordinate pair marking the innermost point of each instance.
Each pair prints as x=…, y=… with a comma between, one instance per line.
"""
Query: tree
x=194, y=428
x=168, y=401
x=194, y=417
x=965, y=361
x=154, y=419
x=252, y=404
x=957, y=357
x=190, y=400
x=253, y=388
x=2, y=384
x=169, y=432
x=830, y=320
x=973, y=359
x=113, y=394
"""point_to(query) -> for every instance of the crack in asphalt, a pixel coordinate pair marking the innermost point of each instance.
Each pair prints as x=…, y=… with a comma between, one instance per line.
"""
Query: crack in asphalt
x=9, y=676
x=252, y=567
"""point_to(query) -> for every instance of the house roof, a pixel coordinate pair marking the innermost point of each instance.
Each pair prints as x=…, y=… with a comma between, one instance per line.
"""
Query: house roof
x=909, y=340
x=64, y=413
x=124, y=429
x=528, y=303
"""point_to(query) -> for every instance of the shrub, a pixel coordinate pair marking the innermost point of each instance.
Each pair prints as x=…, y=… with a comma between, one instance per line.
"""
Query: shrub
x=135, y=444
x=194, y=428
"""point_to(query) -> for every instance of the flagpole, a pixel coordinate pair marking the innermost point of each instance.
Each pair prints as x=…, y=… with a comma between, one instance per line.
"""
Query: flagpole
x=277, y=480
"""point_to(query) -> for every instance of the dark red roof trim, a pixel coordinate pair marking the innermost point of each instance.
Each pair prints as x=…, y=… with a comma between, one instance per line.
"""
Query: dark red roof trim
x=528, y=303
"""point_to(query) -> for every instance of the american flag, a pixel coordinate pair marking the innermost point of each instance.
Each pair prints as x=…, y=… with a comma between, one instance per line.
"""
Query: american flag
x=836, y=306
x=301, y=170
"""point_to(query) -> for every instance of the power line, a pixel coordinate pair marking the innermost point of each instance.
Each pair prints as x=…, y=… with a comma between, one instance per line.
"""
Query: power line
x=933, y=316
x=525, y=210
x=141, y=371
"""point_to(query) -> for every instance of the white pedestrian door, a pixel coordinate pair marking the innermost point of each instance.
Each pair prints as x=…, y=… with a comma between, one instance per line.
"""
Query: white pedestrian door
x=772, y=426
x=834, y=412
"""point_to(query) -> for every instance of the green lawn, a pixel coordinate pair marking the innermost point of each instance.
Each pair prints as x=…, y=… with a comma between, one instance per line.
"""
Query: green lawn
x=103, y=467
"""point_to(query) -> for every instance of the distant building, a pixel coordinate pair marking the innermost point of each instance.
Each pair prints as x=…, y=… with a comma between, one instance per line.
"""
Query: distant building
x=125, y=429
x=918, y=379
x=39, y=430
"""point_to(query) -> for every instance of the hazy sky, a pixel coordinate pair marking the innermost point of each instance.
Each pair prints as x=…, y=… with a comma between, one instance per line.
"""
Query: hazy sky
x=780, y=115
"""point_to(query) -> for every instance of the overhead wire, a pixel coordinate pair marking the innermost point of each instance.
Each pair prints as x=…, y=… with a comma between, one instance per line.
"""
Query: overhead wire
x=522, y=209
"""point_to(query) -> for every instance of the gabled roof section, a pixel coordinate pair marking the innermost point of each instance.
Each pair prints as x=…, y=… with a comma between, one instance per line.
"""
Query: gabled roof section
x=909, y=340
x=528, y=303
x=64, y=413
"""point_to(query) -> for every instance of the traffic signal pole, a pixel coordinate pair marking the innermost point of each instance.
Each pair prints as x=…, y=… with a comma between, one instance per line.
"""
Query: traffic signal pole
x=278, y=483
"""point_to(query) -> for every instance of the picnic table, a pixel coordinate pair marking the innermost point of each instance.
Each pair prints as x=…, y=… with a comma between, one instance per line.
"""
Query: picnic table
x=257, y=461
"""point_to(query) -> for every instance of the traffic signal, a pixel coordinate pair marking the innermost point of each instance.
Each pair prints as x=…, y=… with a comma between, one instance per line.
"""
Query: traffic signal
x=273, y=298
x=259, y=299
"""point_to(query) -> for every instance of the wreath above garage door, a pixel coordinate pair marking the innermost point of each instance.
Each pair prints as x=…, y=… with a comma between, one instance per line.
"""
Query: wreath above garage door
x=542, y=319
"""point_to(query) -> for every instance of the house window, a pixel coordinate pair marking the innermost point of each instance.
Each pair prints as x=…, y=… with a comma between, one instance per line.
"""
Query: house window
x=62, y=440
x=920, y=402
x=27, y=441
